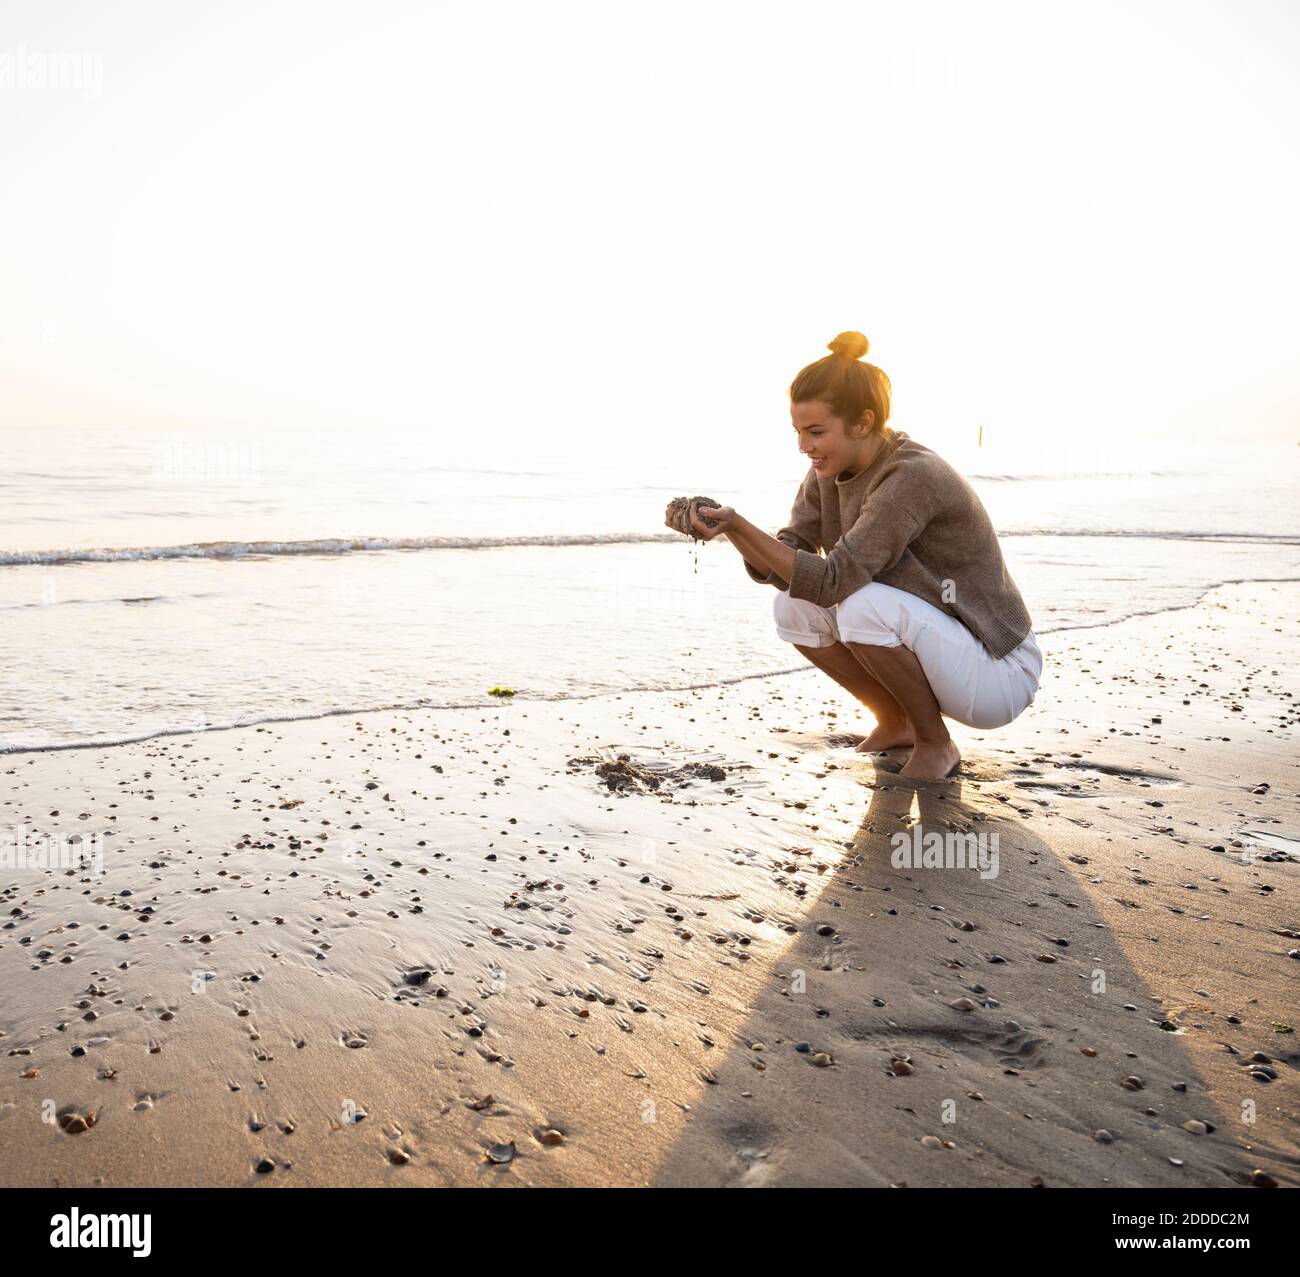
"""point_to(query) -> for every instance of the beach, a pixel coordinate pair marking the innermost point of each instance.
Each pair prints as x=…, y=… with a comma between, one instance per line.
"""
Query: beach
x=475, y=946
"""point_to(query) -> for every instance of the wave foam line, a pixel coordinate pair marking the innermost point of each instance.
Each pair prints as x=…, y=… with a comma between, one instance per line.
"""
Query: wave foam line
x=107, y=743
x=352, y=545
x=200, y=730
x=322, y=545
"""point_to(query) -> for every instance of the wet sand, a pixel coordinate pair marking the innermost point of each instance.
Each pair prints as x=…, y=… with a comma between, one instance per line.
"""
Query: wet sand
x=438, y=948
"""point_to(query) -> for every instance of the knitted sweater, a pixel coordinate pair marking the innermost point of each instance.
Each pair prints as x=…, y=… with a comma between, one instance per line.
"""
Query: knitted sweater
x=911, y=521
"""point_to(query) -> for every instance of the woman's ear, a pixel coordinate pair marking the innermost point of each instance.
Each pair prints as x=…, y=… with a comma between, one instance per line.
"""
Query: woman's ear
x=867, y=420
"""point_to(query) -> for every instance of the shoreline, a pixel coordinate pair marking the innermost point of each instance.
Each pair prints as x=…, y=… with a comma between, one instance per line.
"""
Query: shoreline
x=523, y=698
x=637, y=970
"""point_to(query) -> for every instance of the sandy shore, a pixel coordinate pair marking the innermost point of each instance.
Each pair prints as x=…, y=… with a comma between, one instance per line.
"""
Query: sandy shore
x=388, y=948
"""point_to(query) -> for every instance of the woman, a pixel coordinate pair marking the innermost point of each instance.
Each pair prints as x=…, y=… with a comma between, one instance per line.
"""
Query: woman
x=911, y=609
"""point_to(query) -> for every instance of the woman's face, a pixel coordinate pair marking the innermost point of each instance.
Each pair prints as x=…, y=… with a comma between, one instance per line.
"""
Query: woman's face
x=825, y=440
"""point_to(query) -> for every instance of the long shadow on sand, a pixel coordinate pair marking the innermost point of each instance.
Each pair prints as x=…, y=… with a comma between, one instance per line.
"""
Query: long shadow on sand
x=980, y=1030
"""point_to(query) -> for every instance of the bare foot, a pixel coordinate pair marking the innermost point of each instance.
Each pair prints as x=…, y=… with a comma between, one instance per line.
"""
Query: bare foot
x=888, y=734
x=932, y=762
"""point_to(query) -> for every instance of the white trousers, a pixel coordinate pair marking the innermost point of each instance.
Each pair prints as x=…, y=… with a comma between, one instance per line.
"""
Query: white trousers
x=970, y=686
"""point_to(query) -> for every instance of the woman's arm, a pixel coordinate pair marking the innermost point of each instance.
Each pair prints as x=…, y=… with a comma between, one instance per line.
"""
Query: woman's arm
x=894, y=518
x=801, y=532
x=754, y=545
x=756, y=559
x=760, y=549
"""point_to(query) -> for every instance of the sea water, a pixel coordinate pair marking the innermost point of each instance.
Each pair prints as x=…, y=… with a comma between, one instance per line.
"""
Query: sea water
x=154, y=582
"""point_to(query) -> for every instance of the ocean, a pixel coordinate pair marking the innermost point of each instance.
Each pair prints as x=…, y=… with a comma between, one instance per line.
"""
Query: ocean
x=156, y=582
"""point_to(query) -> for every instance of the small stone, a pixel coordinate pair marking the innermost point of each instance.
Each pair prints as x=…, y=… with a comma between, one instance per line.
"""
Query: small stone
x=1103, y=1137
x=1196, y=1128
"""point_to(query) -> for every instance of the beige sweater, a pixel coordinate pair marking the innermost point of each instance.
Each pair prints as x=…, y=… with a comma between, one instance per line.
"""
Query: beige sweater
x=911, y=521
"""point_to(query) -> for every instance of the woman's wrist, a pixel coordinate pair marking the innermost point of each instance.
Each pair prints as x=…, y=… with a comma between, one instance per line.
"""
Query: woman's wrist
x=741, y=534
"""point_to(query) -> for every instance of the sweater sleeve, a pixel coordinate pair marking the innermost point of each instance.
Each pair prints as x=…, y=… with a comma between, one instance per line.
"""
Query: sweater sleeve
x=892, y=517
x=803, y=532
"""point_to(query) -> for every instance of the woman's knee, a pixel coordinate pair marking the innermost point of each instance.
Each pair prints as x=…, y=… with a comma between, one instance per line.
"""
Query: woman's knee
x=803, y=623
x=870, y=615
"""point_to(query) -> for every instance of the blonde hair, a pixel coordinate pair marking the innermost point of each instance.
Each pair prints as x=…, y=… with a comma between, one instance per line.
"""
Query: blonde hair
x=847, y=382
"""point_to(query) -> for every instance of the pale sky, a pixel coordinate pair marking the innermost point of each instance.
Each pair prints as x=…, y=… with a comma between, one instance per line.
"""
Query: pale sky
x=607, y=227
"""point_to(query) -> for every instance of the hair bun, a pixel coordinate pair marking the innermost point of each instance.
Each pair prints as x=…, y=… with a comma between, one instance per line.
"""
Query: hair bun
x=854, y=345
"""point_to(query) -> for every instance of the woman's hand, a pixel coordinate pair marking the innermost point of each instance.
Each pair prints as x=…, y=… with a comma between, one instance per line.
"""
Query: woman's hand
x=724, y=517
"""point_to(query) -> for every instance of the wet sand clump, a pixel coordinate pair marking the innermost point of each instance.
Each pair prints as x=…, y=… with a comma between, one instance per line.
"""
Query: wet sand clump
x=624, y=775
x=679, y=514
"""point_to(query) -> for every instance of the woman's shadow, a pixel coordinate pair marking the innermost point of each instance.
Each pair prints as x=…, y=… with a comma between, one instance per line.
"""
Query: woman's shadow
x=955, y=1011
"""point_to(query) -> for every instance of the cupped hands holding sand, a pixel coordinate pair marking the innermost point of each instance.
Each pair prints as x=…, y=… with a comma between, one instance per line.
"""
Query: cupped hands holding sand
x=684, y=515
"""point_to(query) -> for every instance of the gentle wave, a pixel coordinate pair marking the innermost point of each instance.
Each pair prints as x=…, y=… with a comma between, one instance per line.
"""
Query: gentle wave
x=1139, y=613
x=352, y=545
x=196, y=729
x=323, y=545
x=201, y=729
x=1065, y=475
x=1156, y=534
x=126, y=600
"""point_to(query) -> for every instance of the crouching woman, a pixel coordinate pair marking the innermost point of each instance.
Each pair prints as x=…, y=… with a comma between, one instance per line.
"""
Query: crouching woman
x=911, y=608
